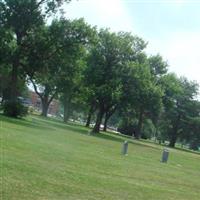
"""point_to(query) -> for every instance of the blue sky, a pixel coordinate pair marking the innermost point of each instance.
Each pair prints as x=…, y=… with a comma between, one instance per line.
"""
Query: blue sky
x=171, y=27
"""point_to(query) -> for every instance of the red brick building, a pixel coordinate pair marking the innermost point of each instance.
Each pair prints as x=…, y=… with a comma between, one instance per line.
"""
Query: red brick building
x=37, y=104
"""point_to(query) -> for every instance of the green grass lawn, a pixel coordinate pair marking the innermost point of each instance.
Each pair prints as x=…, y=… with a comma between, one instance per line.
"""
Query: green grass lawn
x=46, y=159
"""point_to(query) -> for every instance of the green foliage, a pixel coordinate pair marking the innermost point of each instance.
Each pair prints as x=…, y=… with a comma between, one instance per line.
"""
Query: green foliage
x=107, y=63
x=158, y=67
x=180, y=106
x=14, y=109
x=127, y=126
x=59, y=49
x=148, y=129
x=141, y=94
x=4, y=79
x=18, y=21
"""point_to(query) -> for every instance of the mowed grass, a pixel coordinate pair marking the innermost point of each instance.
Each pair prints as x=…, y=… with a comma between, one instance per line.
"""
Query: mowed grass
x=47, y=159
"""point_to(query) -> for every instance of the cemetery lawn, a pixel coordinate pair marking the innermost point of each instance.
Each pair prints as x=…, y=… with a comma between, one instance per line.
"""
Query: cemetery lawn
x=45, y=159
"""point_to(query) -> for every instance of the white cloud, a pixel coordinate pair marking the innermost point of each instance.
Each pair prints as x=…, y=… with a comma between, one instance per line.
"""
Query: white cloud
x=104, y=13
x=182, y=50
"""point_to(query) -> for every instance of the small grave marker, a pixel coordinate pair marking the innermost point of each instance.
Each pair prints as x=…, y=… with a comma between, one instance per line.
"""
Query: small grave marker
x=125, y=148
x=165, y=156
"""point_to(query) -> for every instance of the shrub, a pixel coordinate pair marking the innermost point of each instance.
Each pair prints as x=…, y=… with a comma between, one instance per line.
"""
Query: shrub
x=14, y=109
x=30, y=109
x=126, y=127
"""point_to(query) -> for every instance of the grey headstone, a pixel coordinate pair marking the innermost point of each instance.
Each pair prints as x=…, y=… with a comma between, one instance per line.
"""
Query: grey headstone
x=165, y=155
x=125, y=148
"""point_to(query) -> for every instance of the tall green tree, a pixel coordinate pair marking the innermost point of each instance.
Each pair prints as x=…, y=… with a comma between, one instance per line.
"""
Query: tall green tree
x=141, y=94
x=79, y=35
x=43, y=65
x=58, y=49
x=20, y=18
x=178, y=100
x=194, y=134
x=106, y=63
x=158, y=68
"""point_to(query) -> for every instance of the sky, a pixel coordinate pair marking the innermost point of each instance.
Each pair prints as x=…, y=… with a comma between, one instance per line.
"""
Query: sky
x=171, y=27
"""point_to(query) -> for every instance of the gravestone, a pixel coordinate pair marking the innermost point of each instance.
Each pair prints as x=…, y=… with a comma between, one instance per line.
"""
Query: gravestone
x=125, y=148
x=165, y=156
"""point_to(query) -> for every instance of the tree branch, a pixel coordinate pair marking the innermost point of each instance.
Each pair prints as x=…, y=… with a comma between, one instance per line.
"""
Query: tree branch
x=40, y=2
x=112, y=110
x=35, y=88
x=52, y=97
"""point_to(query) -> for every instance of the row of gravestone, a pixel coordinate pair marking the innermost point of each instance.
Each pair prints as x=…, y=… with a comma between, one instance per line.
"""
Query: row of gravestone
x=164, y=157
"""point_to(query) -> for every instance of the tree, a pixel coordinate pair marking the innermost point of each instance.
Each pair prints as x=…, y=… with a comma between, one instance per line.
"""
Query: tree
x=4, y=82
x=58, y=49
x=179, y=96
x=158, y=67
x=19, y=19
x=108, y=114
x=194, y=134
x=43, y=60
x=106, y=63
x=92, y=109
x=70, y=87
x=141, y=95
x=78, y=36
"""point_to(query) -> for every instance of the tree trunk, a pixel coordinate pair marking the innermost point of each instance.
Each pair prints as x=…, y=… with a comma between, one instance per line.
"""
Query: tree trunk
x=109, y=113
x=174, y=135
x=14, y=74
x=139, y=126
x=66, y=109
x=107, y=117
x=15, y=70
x=45, y=106
x=14, y=82
x=106, y=123
x=194, y=145
x=13, y=89
x=100, y=114
x=13, y=92
x=173, y=140
x=45, y=98
x=66, y=112
x=89, y=116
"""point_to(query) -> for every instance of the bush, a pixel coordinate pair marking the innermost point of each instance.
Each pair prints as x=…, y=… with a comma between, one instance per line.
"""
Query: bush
x=14, y=109
x=127, y=127
x=31, y=110
x=194, y=145
x=148, y=129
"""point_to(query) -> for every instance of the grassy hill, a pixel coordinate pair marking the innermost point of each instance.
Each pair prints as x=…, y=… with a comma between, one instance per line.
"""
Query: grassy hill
x=45, y=159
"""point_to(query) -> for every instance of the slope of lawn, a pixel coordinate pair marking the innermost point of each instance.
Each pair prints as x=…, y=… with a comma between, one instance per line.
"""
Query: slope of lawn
x=46, y=159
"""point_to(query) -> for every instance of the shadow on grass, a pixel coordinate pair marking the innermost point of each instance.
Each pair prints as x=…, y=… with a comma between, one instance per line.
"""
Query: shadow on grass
x=46, y=123
x=71, y=127
x=187, y=150
x=34, y=123
x=42, y=123
x=120, y=139
x=108, y=137
x=58, y=124
x=151, y=144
